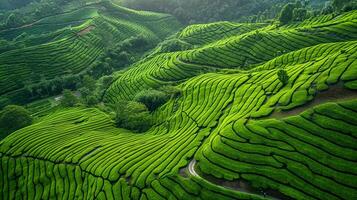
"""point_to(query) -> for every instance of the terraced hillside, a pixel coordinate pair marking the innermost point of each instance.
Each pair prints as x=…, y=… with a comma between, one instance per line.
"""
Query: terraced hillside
x=236, y=132
x=68, y=43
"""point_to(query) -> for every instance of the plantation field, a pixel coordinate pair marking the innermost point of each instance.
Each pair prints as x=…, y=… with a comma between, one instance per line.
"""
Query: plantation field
x=234, y=122
x=58, y=46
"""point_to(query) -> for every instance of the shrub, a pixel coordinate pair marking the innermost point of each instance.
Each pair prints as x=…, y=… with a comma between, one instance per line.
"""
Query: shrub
x=133, y=116
x=171, y=91
x=68, y=99
x=88, y=82
x=175, y=45
x=286, y=14
x=14, y=19
x=283, y=76
x=13, y=118
x=299, y=14
x=91, y=100
x=151, y=98
x=338, y=5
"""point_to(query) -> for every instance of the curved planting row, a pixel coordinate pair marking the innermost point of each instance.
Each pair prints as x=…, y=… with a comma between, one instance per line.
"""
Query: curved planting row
x=201, y=34
x=72, y=50
x=217, y=122
x=237, y=51
x=79, y=153
x=66, y=56
x=309, y=156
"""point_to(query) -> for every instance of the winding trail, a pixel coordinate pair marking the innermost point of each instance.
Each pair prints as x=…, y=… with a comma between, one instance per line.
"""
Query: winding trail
x=243, y=189
x=191, y=168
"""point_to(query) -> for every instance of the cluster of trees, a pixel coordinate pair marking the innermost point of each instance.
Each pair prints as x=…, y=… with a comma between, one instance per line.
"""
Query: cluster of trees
x=85, y=84
x=121, y=55
x=13, y=118
x=293, y=12
x=339, y=6
x=136, y=115
x=89, y=92
x=13, y=4
x=133, y=116
x=300, y=10
x=201, y=11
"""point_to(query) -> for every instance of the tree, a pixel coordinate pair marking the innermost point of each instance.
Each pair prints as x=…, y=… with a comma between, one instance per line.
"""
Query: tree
x=339, y=4
x=151, y=98
x=283, y=76
x=13, y=118
x=328, y=9
x=68, y=99
x=88, y=82
x=286, y=14
x=91, y=100
x=133, y=116
x=14, y=19
x=299, y=14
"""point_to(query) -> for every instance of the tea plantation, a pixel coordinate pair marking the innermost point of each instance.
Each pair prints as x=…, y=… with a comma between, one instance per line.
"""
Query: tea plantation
x=238, y=130
x=68, y=44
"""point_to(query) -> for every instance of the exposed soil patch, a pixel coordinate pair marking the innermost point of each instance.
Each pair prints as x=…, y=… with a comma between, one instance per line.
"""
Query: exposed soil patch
x=183, y=172
x=335, y=93
x=86, y=30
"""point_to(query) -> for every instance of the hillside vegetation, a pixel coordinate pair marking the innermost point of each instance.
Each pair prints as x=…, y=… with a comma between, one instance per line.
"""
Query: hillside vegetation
x=224, y=110
x=45, y=56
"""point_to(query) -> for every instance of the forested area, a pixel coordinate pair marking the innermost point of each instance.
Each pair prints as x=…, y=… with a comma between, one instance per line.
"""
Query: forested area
x=200, y=11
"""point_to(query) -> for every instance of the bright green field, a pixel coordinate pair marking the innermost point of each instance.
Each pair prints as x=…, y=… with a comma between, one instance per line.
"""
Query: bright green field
x=235, y=118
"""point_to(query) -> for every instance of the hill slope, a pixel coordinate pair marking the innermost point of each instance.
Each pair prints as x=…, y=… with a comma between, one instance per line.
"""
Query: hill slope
x=235, y=123
x=67, y=44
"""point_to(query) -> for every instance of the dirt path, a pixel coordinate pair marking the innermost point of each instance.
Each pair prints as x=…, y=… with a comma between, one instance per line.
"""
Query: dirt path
x=237, y=185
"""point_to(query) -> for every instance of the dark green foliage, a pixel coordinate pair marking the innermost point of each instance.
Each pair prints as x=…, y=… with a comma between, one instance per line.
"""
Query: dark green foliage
x=133, y=116
x=68, y=99
x=13, y=118
x=350, y=6
x=133, y=43
x=91, y=100
x=283, y=77
x=171, y=91
x=286, y=14
x=327, y=9
x=299, y=14
x=175, y=45
x=105, y=81
x=88, y=91
x=197, y=11
x=121, y=55
x=13, y=20
x=88, y=82
x=151, y=98
x=339, y=4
